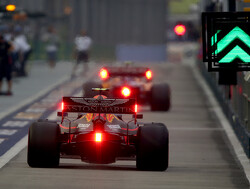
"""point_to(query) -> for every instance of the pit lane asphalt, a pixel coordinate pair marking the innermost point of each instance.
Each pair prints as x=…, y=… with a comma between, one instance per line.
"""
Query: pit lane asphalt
x=200, y=153
x=33, y=99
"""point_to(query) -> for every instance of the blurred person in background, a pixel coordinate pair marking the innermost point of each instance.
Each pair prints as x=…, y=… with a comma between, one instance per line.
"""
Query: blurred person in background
x=5, y=65
x=52, y=41
x=24, y=50
x=82, y=49
x=9, y=37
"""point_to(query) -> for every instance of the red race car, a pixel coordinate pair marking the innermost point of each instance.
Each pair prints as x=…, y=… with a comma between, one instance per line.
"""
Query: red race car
x=132, y=82
x=94, y=130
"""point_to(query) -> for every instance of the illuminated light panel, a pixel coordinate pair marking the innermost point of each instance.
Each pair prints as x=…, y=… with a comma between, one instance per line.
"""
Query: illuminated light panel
x=180, y=29
x=62, y=106
x=126, y=91
x=231, y=36
x=236, y=52
x=104, y=74
x=149, y=74
x=98, y=137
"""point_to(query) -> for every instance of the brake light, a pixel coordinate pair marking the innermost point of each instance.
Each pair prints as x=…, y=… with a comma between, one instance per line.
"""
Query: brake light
x=103, y=74
x=98, y=137
x=136, y=108
x=62, y=106
x=149, y=74
x=126, y=91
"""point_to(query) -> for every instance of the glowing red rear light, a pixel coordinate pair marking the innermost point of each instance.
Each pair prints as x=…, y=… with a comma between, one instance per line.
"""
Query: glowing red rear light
x=180, y=29
x=136, y=108
x=104, y=74
x=98, y=137
x=149, y=74
x=62, y=106
x=126, y=92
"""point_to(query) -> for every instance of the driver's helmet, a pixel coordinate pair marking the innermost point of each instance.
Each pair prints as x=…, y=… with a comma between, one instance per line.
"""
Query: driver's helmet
x=100, y=97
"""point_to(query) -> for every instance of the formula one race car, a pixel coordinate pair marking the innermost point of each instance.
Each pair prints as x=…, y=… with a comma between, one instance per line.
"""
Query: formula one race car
x=98, y=134
x=132, y=82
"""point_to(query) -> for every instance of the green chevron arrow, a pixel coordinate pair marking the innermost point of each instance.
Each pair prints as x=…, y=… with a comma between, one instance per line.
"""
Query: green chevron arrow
x=236, y=52
x=231, y=36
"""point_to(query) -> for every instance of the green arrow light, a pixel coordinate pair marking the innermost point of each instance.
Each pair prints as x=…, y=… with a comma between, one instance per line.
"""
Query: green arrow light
x=231, y=36
x=236, y=52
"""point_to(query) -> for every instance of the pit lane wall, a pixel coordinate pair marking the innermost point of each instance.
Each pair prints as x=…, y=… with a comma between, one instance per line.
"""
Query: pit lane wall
x=235, y=102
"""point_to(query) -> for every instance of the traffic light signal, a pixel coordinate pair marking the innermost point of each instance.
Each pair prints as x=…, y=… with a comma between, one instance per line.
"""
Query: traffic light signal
x=7, y=8
x=180, y=29
x=10, y=7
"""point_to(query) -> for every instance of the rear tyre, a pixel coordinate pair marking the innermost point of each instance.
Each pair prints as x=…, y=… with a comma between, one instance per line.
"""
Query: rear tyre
x=43, y=145
x=160, y=97
x=152, y=147
x=87, y=89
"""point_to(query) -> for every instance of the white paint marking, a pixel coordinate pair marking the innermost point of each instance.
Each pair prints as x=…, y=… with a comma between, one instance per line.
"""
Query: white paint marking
x=13, y=151
x=34, y=97
x=7, y=132
x=1, y=140
x=36, y=110
x=15, y=124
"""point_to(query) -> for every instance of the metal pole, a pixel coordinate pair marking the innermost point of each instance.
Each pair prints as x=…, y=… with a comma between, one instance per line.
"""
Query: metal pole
x=231, y=5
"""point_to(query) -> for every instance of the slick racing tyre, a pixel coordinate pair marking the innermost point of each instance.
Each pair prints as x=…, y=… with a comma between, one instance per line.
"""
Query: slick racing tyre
x=160, y=97
x=87, y=89
x=43, y=146
x=152, y=150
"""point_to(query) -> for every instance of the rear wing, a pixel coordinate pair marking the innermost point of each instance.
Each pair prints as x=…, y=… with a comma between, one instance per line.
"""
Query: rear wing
x=127, y=71
x=92, y=105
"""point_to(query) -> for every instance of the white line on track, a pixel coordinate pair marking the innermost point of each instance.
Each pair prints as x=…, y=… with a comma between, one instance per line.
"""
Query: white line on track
x=13, y=151
x=243, y=159
x=20, y=145
x=33, y=98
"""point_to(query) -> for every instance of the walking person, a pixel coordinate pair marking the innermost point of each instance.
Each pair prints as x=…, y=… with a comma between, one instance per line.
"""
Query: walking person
x=52, y=47
x=82, y=49
x=5, y=66
x=24, y=50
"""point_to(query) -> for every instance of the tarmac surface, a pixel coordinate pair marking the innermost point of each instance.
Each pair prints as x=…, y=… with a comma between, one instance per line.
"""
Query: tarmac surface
x=201, y=155
x=40, y=80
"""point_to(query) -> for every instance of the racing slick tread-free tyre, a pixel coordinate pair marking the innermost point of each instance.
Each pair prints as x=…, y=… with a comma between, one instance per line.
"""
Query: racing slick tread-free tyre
x=43, y=146
x=87, y=89
x=160, y=97
x=152, y=147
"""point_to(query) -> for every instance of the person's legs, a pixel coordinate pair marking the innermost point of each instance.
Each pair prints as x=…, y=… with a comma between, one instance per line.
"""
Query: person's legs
x=85, y=62
x=52, y=57
x=86, y=67
x=74, y=70
x=23, y=63
x=9, y=90
x=9, y=79
x=78, y=59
